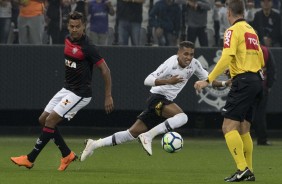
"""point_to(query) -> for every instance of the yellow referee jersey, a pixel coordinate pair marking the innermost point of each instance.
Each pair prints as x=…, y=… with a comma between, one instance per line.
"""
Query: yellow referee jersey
x=241, y=51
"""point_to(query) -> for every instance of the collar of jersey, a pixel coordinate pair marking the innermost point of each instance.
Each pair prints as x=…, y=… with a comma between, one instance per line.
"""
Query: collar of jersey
x=239, y=20
x=76, y=41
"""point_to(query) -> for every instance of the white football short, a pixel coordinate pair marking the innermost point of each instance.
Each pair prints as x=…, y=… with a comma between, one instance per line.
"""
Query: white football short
x=66, y=103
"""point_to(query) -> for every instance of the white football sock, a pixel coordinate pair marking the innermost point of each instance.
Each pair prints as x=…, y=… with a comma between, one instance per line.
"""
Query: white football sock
x=115, y=139
x=168, y=125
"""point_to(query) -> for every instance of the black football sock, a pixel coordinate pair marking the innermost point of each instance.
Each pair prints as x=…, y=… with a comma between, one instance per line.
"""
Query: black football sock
x=61, y=144
x=44, y=138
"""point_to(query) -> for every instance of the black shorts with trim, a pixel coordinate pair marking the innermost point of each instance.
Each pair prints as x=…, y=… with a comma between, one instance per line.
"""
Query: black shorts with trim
x=152, y=115
x=245, y=91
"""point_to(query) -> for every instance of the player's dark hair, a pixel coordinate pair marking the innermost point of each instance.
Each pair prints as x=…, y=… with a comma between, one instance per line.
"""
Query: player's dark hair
x=76, y=16
x=236, y=7
x=186, y=44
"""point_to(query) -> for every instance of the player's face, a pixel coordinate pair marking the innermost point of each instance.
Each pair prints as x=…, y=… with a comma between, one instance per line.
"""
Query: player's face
x=185, y=56
x=76, y=28
x=266, y=4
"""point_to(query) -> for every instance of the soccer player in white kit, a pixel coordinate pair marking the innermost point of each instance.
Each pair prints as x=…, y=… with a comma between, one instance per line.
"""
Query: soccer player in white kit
x=162, y=114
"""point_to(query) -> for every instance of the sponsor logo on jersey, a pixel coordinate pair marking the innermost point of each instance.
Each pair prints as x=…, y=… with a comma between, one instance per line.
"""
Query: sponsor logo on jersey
x=73, y=50
x=227, y=38
x=189, y=73
x=251, y=41
x=70, y=63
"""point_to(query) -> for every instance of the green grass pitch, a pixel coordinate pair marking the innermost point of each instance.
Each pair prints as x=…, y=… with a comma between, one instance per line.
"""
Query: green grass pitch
x=201, y=161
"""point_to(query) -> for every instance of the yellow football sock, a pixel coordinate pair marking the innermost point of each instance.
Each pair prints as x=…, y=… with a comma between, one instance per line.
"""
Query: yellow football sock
x=248, y=149
x=235, y=146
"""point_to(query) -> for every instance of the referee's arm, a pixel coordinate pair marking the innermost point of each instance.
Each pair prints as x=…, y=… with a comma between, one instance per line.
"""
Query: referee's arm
x=220, y=67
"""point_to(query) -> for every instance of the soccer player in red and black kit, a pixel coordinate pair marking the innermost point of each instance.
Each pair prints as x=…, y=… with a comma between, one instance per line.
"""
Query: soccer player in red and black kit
x=80, y=57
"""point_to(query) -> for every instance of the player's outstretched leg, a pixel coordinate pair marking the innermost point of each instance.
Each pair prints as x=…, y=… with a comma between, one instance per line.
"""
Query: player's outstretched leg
x=115, y=139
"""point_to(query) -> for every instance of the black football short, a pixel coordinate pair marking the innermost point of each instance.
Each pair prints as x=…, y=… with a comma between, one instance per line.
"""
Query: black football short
x=246, y=89
x=152, y=115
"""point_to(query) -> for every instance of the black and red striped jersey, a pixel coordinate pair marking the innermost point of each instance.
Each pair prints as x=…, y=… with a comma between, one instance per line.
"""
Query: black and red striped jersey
x=80, y=57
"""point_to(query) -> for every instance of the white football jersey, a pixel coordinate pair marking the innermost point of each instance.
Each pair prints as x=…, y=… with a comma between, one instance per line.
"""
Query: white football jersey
x=171, y=68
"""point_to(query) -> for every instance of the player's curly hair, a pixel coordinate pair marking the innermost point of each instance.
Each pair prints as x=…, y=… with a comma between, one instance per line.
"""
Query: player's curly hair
x=186, y=44
x=77, y=16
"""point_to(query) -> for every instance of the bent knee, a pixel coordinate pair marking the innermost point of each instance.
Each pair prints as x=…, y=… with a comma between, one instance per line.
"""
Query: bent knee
x=42, y=120
x=183, y=117
x=137, y=128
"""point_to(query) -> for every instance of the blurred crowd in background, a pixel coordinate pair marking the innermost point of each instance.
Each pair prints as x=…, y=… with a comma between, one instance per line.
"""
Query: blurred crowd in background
x=135, y=22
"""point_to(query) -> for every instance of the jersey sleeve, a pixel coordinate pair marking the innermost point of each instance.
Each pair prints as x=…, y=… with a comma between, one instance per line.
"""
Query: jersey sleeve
x=230, y=42
x=93, y=55
x=161, y=70
x=200, y=72
x=220, y=67
x=228, y=52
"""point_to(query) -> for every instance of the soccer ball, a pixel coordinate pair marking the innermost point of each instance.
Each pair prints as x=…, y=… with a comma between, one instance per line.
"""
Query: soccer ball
x=172, y=142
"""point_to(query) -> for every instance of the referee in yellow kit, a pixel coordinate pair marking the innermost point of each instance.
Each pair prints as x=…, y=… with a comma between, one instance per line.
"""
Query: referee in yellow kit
x=244, y=58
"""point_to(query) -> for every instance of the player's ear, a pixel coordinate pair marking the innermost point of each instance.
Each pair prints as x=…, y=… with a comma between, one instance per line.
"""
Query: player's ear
x=228, y=12
x=178, y=52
